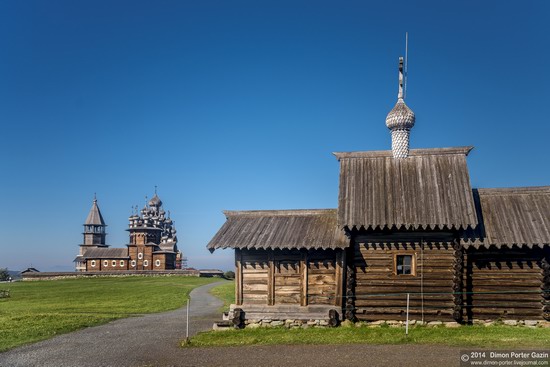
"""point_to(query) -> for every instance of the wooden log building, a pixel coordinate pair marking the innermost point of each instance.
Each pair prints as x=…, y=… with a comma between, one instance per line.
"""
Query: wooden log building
x=407, y=222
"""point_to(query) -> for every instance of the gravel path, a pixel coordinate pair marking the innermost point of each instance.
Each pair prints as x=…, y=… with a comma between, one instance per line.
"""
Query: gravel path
x=135, y=341
x=153, y=340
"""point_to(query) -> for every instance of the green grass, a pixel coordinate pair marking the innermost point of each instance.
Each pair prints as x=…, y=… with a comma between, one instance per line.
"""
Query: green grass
x=466, y=336
x=38, y=310
x=225, y=292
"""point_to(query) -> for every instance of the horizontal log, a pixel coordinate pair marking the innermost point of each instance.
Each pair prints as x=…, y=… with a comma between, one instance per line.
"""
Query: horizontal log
x=399, y=317
x=403, y=310
x=254, y=270
x=404, y=281
x=247, y=287
x=523, y=312
x=402, y=303
x=281, y=282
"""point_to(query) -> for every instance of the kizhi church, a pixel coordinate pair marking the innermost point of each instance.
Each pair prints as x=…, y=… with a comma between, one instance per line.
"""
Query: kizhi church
x=152, y=246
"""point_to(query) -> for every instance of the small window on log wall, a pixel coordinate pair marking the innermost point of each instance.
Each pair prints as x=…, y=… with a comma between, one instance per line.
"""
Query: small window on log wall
x=404, y=265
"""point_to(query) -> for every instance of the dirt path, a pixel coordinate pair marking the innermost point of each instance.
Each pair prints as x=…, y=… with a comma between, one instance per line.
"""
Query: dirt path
x=152, y=340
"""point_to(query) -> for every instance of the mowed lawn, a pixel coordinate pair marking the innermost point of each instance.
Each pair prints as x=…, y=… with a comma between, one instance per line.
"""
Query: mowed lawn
x=38, y=310
x=496, y=336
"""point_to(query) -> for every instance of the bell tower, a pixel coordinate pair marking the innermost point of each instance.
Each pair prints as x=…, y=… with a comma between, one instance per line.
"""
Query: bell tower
x=94, y=229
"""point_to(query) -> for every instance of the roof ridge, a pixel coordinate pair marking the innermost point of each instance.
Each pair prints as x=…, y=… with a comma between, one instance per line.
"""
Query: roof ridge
x=514, y=190
x=279, y=213
x=412, y=153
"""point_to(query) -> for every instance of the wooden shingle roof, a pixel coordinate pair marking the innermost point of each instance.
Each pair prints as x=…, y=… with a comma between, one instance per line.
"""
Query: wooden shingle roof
x=106, y=253
x=429, y=189
x=512, y=217
x=280, y=229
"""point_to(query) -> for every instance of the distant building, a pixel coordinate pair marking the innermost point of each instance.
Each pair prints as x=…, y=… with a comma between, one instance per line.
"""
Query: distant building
x=30, y=270
x=152, y=246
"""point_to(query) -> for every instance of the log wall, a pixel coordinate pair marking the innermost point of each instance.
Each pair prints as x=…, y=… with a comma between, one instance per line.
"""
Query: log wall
x=380, y=294
x=503, y=284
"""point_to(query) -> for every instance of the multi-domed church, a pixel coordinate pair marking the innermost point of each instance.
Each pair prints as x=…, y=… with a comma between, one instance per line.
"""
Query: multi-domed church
x=152, y=246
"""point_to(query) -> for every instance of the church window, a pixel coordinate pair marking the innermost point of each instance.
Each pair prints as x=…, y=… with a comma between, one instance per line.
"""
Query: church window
x=113, y=263
x=121, y=262
x=133, y=263
x=92, y=263
x=157, y=263
x=105, y=263
x=145, y=262
x=404, y=264
x=140, y=256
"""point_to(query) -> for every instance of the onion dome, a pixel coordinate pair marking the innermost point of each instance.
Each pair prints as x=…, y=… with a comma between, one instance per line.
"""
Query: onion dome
x=400, y=117
x=155, y=201
x=400, y=120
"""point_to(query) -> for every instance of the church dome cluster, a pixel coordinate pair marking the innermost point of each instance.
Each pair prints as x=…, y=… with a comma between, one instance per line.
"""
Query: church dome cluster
x=153, y=216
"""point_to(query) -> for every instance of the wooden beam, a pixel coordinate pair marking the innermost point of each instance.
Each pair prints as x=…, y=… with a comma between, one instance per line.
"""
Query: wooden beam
x=270, y=279
x=340, y=263
x=238, y=277
x=304, y=277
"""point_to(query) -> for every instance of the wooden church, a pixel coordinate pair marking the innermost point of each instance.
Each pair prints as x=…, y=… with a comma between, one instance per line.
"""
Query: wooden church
x=407, y=222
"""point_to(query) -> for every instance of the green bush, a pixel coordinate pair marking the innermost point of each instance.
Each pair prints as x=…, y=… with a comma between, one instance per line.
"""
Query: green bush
x=229, y=275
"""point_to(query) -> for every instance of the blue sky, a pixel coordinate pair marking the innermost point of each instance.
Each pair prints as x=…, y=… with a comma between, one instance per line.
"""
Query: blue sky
x=239, y=104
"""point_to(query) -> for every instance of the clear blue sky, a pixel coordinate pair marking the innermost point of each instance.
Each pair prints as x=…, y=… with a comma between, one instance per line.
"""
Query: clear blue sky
x=239, y=104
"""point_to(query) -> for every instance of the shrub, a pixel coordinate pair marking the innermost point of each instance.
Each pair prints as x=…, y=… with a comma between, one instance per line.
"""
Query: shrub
x=229, y=275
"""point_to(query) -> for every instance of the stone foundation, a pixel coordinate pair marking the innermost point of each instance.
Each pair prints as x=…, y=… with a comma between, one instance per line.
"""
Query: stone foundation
x=289, y=324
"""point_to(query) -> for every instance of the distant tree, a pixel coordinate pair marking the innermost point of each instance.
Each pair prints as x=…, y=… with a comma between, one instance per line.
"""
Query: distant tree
x=229, y=275
x=4, y=275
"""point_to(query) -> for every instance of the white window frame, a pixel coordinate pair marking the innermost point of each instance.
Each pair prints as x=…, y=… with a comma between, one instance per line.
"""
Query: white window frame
x=140, y=255
x=145, y=263
x=106, y=263
x=113, y=263
x=133, y=263
x=121, y=262
x=92, y=263
x=157, y=263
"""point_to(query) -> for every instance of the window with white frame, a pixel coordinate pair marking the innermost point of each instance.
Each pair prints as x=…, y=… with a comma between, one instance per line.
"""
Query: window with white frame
x=113, y=263
x=133, y=263
x=92, y=263
x=157, y=263
x=121, y=262
x=140, y=255
x=145, y=262
x=105, y=263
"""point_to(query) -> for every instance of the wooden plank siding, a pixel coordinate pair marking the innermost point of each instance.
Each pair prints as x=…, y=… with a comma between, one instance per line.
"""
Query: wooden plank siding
x=503, y=284
x=380, y=294
x=293, y=277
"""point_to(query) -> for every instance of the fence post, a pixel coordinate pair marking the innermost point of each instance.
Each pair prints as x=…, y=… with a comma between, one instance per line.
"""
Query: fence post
x=407, y=322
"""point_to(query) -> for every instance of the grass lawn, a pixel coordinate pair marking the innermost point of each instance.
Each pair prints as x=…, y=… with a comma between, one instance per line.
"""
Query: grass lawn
x=497, y=336
x=225, y=292
x=38, y=310
x=466, y=336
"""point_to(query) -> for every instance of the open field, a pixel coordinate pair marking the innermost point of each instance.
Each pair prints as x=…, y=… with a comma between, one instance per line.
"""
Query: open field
x=39, y=310
x=225, y=292
x=466, y=336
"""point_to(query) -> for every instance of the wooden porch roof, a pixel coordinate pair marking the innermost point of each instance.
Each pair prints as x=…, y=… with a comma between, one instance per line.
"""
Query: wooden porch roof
x=512, y=217
x=280, y=229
